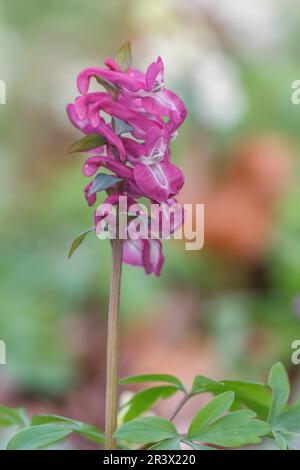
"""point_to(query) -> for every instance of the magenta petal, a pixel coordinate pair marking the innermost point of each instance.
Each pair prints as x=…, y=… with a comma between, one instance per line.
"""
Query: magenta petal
x=133, y=252
x=153, y=257
x=167, y=217
x=106, y=131
x=94, y=124
x=83, y=102
x=159, y=181
x=91, y=165
x=123, y=112
x=112, y=64
x=133, y=149
x=154, y=74
x=144, y=253
x=114, y=199
x=120, y=169
x=174, y=176
x=148, y=182
x=130, y=81
x=166, y=103
x=90, y=199
x=81, y=124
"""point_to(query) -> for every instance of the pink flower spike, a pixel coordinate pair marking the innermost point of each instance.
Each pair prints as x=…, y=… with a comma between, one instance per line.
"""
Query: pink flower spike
x=135, y=148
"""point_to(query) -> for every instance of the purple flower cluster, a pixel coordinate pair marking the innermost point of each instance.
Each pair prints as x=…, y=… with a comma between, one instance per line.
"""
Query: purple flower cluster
x=143, y=118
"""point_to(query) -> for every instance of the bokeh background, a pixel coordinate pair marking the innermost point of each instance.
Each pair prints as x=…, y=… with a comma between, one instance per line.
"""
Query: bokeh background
x=230, y=310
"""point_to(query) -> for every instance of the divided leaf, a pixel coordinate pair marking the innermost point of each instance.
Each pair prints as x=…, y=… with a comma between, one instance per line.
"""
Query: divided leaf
x=288, y=420
x=233, y=430
x=279, y=383
x=132, y=379
x=280, y=441
x=195, y=446
x=168, y=444
x=12, y=416
x=91, y=433
x=254, y=396
x=45, y=430
x=36, y=437
x=144, y=399
x=210, y=412
x=286, y=440
x=150, y=429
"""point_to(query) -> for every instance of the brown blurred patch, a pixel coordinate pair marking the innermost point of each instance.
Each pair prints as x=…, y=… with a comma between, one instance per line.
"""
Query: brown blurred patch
x=240, y=205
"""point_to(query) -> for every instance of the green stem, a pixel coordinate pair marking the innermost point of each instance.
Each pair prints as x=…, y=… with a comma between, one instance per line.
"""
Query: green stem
x=180, y=405
x=112, y=360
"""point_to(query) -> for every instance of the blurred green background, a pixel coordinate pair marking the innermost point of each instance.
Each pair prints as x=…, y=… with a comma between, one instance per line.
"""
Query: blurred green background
x=230, y=310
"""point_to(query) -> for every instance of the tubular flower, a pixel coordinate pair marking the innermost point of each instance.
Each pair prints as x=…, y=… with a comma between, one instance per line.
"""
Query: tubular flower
x=132, y=123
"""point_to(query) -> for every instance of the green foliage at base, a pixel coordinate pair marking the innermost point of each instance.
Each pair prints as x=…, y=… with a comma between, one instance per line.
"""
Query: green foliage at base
x=239, y=414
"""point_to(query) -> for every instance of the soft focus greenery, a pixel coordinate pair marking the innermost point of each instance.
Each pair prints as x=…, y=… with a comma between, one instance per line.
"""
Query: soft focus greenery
x=250, y=322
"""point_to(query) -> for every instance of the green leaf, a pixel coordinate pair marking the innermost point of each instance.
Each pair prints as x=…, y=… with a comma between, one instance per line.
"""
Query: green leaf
x=36, y=437
x=144, y=399
x=280, y=441
x=288, y=420
x=152, y=378
x=89, y=142
x=103, y=181
x=168, y=444
x=121, y=127
x=142, y=430
x=124, y=57
x=78, y=240
x=12, y=416
x=286, y=440
x=202, y=384
x=210, y=413
x=279, y=383
x=87, y=431
x=37, y=420
x=254, y=396
x=195, y=446
x=234, y=430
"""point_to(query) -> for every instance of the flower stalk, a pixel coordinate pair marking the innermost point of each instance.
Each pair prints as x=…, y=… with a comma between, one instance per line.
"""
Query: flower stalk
x=135, y=149
x=113, y=338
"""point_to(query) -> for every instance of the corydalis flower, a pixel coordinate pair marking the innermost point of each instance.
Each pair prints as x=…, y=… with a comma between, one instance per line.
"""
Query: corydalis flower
x=134, y=143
